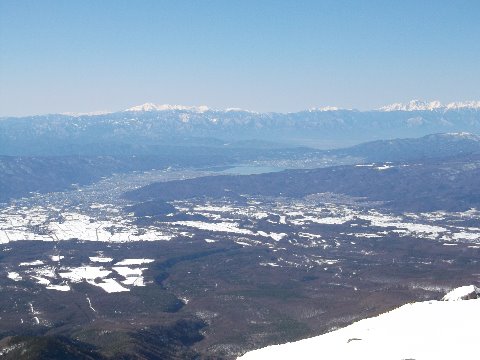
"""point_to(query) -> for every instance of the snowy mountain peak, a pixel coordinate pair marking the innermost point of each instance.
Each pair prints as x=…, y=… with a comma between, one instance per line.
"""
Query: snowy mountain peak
x=167, y=107
x=418, y=105
x=414, y=105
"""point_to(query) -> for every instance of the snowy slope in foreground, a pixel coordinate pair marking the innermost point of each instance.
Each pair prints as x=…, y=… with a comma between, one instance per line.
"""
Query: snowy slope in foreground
x=423, y=330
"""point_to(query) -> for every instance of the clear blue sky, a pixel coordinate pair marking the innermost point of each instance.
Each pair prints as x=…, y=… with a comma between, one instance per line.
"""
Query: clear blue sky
x=85, y=55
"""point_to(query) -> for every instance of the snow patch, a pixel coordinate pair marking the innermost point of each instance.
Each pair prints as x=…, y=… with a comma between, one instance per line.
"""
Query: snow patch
x=87, y=273
x=109, y=285
x=127, y=262
x=12, y=275
x=100, y=259
x=216, y=227
x=133, y=276
x=31, y=263
x=462, y=293
x=63, y=287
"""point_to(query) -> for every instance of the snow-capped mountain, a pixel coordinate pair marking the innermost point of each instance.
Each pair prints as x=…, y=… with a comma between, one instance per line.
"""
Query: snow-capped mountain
x=325, y=128
x=418, y=105
x=422, y=330
x=166, y=107
x=413, y=105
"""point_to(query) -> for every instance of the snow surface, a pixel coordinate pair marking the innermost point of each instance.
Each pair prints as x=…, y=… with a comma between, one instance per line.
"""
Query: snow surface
x=133, y=276
x=384, y=167
x=109, y=285
x=421, y=331
x=19, y=222
x=117, y=278
x=63, y=287
x=88, y=273
x=15, y=276
x=31, y=263
x=100, y=259
x=462, y=293
x=127, y=262
x=16, y=224
x=220, y=227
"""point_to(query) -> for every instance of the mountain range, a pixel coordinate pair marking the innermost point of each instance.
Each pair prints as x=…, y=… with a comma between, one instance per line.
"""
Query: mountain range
x=150, y=124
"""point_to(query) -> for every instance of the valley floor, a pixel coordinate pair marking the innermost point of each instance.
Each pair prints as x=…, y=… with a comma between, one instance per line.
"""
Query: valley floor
x=215, y=277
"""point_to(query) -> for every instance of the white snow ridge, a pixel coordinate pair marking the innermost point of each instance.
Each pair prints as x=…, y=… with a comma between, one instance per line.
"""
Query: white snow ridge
x=167, y=107
x=422, y=331
x=418, y=105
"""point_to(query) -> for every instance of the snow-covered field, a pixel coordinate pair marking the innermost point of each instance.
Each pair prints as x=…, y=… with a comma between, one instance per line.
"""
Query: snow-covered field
x=96, y=213
x=53, y=276
x=38, y=224
x=322, y=221
x=317, y=221
x=89, y=213
x=422, y=331
x=305, y=213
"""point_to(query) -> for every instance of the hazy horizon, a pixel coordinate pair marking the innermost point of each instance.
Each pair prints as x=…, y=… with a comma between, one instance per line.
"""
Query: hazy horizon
x=196, y=106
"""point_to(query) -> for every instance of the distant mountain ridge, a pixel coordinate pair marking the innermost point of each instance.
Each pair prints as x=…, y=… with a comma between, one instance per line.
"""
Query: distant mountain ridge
x=165, y=107
x=418, y=105
x=413, y=105
x=442, y=145
x=151, y=124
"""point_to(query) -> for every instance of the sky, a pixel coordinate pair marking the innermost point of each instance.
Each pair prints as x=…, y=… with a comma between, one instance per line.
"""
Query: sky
x=84, y=55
